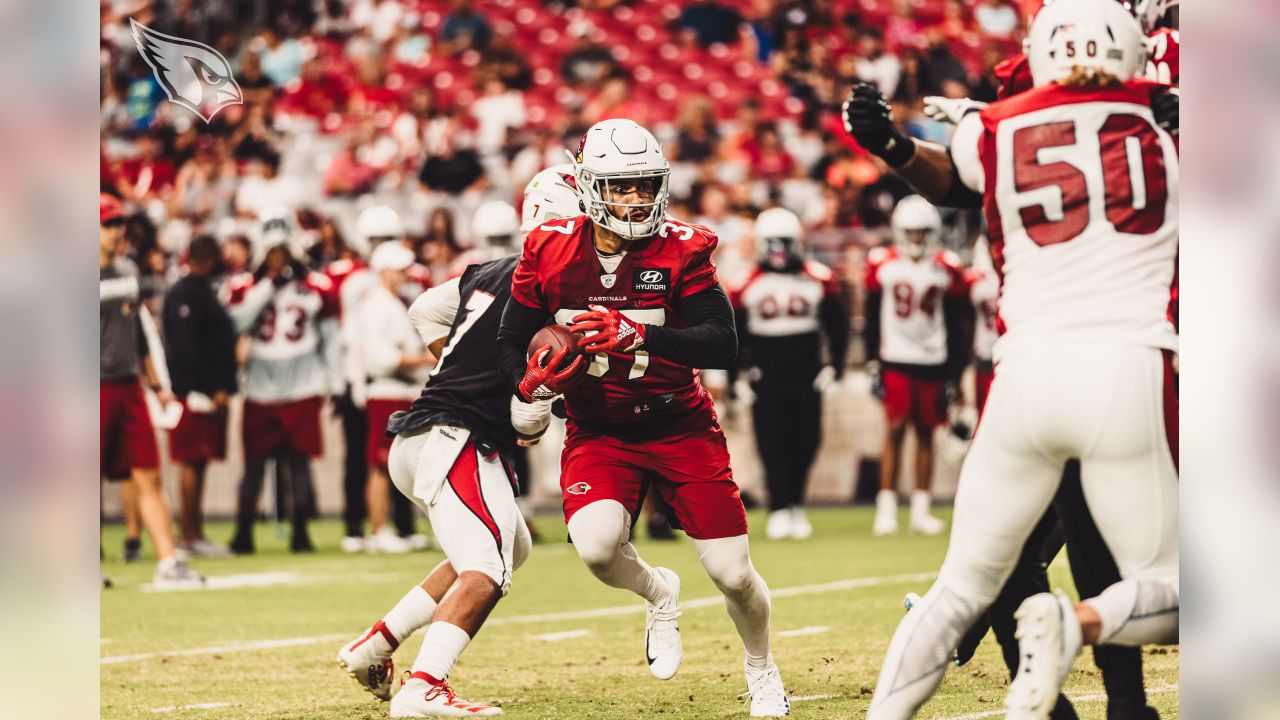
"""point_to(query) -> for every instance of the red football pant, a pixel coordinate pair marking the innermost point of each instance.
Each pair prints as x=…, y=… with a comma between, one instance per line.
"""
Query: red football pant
x=199, y=437
x=691, y=472
x=127, y=439
x=274, y=427
x=907, y=397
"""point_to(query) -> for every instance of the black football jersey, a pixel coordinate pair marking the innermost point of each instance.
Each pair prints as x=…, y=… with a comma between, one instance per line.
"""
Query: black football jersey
x=466, y=388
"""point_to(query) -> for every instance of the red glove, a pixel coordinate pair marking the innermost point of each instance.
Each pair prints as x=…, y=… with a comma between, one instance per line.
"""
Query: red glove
x=613, y=331
x=542, y=382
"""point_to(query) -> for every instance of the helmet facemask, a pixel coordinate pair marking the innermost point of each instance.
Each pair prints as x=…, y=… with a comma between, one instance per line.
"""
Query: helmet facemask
x=646, y=191
x=781, y=254
x=916, y=241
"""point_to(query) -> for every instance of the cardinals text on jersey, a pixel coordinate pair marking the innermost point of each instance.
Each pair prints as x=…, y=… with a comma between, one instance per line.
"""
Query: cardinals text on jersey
x=561, y=273
x=912, y=329
x=1082, y=211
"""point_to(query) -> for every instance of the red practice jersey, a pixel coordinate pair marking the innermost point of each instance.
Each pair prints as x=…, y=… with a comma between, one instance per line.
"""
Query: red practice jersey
x=561, y=273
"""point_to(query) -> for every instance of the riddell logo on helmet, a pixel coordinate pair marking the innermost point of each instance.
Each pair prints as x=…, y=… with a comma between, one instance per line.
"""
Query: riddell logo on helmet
x=580, y=488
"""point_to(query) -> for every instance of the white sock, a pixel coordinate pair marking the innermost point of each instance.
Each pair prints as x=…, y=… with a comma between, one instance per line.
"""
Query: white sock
x=413, y=611
x=441, y=646
x=759, y=662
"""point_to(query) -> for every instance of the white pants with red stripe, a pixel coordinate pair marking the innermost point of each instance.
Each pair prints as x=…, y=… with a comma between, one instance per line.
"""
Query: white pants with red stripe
x=1111, y=406
x=467, y=496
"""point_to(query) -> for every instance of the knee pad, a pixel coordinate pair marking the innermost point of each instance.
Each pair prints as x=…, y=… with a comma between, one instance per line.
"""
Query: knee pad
x=598, y=531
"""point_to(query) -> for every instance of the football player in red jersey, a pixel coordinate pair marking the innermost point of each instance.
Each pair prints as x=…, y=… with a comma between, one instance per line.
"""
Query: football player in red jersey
x=1083, y=304
x=642, y=287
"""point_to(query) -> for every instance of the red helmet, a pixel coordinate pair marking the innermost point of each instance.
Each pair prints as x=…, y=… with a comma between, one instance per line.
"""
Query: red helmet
x=109, y=208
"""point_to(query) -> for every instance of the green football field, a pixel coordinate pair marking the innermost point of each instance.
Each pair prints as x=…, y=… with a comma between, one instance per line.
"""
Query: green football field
x=260, y=643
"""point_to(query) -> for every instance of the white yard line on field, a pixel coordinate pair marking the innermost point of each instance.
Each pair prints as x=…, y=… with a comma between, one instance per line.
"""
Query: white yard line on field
x=270, y=579
x=1086, y=698
x=566, y=635
x=807, y=698
x=197, y=706
x=812, y=630
x=228, y=648
x=632, y=609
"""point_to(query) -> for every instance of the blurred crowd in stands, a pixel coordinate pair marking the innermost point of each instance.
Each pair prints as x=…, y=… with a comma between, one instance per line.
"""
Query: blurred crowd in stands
x=434, y=107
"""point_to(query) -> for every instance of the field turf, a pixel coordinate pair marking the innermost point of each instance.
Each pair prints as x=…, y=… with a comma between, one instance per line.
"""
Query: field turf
x=264, y=647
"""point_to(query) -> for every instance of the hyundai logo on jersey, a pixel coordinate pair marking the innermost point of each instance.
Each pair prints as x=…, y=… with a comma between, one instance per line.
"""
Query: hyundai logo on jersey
x=652, y=280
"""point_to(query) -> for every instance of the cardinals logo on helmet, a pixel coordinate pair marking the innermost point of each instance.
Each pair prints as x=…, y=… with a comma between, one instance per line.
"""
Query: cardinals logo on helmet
x=193, y=75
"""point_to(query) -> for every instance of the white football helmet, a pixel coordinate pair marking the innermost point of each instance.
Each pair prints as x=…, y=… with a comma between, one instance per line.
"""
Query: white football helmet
x=375, y=224
x=1151, y=12
x=916, y=226
x=549, y=195
x=779, y=239
x=618, y=150
x=495, y=226
x=1099, y=35
x=277, y=230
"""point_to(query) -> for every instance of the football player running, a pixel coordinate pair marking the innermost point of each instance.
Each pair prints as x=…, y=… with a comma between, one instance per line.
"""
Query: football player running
x=1080, y=189
x=915, y=351
x=452, y=456
x=642, y=288
x=783, y=309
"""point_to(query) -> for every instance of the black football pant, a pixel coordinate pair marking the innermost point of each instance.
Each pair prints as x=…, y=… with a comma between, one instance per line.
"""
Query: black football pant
x=295, y=497
x=355, y=475
x=788, y=427
x=1093, y=570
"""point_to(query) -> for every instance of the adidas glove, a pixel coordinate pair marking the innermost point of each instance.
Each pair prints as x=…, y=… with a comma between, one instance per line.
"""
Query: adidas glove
x=543, y=381
x=607, y=331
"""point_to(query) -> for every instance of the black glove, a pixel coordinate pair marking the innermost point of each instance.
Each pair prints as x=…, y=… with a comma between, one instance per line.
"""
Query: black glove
x=869, y=119
x=1164, y=106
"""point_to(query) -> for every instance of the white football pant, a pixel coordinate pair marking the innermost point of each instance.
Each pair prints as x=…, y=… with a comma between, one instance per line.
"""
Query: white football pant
x=1103, y=404
x=467, y=497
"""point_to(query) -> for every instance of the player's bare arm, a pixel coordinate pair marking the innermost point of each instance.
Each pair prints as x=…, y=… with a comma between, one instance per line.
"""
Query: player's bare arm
x=927, y=167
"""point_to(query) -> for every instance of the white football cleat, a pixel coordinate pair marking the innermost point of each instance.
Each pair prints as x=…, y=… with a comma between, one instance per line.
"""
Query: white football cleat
x=768, y=696
x=352, y=544
x=386, y=541
x=779, y=524
x=921, y=521
x=662, y=644
x=419, y=698
x=419, y=541
x=800, y=527
x=173, y=573
x=1048, y=642
x=367, y=659
x=886, y=513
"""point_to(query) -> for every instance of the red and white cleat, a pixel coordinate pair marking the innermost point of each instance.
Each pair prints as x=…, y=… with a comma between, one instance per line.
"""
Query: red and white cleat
x=367, y=659
x=420, y=697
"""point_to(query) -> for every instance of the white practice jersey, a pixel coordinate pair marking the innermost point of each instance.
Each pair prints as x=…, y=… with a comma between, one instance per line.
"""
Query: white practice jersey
x=1081, y=199
x=779, y=304
x=386, y=336
x=353, y=288
x=912, y=327
x=294, y=349
x=984, y=293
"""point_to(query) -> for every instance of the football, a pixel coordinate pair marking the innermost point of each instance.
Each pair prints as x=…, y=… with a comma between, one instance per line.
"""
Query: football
x=557, y=336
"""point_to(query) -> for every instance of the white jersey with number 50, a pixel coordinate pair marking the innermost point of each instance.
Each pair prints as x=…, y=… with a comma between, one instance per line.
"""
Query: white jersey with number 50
x=1081, y=197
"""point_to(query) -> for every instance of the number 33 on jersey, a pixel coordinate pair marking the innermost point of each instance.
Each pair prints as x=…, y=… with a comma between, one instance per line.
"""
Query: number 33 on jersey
x=1080, y=190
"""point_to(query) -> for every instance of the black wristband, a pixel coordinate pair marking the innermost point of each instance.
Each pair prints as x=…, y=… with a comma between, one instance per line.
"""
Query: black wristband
x=899, y=150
